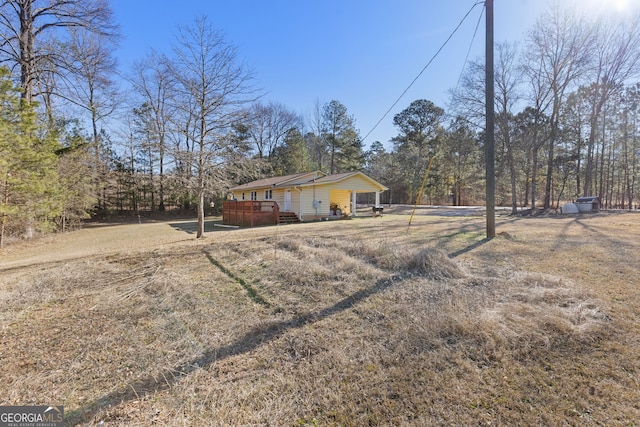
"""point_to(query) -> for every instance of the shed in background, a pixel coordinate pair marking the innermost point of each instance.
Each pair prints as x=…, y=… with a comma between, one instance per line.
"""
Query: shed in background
x=588, y=204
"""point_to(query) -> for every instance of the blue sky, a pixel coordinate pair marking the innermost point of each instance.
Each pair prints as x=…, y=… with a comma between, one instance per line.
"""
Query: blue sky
x=363, y=53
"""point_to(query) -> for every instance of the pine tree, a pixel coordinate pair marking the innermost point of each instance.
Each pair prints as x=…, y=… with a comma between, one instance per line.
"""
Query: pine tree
x=293, y=156
x=28, y=179
x=341, y=138
x=418, y=141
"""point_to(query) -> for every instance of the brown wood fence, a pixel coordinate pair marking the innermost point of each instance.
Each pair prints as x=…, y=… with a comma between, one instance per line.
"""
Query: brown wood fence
x=250, y=213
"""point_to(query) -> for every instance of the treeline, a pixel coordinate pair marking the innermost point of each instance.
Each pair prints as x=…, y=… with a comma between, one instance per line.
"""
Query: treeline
x=193, y=122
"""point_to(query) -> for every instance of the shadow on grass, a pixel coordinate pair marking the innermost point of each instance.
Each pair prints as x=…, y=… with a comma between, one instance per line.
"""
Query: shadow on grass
x=191, y=227
x=614, y=244
x=253, y=293
x=470, y=247
x=258, y=336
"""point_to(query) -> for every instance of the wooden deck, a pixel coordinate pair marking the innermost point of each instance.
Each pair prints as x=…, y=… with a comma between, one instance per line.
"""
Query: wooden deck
x=250, y=213
x=255, y=213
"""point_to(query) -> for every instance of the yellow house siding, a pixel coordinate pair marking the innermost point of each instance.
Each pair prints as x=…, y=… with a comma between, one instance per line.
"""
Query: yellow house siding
x=278, y=196
x=357, y=183
x=343, y=199
x=321, y=195
x=295, y=201
x=260, y=194
x=308, y=211
x=325, y=190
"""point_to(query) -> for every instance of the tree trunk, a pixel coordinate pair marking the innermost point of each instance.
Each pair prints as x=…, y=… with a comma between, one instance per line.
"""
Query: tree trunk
x=550, y=163
x=3, y=218
x=512, y=171
x=26, y=51
x=2, y=227
x=200, y=232
x=601, y=188
x=161, y=205
x=534, y=173
x=593, y=129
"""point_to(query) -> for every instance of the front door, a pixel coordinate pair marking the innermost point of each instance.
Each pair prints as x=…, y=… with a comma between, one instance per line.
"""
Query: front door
x=287, y=200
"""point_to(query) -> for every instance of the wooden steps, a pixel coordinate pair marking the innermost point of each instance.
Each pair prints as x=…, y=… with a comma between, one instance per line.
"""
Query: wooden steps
x=288, y=218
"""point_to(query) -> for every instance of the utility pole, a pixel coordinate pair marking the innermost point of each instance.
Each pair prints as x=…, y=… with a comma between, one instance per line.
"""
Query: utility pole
x=490, y=126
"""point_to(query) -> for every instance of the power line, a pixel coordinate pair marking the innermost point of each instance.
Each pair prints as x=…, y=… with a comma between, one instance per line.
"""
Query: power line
x=423, y=70
x=466, y=58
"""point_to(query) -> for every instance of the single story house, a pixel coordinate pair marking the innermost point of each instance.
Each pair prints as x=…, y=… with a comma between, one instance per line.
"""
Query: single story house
x=306, y=196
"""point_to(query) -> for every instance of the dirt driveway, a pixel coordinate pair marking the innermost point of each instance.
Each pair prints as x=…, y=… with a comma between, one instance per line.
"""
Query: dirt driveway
x=97, y=239
x=443, y=210
x=108, y=238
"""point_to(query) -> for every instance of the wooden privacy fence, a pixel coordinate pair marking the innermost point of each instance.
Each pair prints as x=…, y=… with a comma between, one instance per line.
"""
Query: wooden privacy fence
x=250, y=213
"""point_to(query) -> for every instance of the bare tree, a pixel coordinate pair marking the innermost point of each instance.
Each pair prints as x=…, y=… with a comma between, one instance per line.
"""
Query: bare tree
x=469, y=98
x=616, y=49
x=268, y=125
x=76, y=178
x=211, y=88
x=315, y=143
x=557, y=55
x=532, y=123
x=631, y=142
x=153, y=83
x=89, y=85
x=31, y=32
x=507, y=79
x=461, y=156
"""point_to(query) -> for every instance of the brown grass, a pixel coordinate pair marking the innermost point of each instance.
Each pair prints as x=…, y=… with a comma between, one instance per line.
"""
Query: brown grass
x=350, y=323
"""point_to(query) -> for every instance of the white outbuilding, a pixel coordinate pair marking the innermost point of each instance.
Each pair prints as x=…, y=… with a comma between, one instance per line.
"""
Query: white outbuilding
x=569, y=208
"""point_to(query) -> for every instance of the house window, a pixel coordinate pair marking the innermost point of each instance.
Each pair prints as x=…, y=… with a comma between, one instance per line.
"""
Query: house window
x=268, y=194
x=254, y=195
x=242, y=196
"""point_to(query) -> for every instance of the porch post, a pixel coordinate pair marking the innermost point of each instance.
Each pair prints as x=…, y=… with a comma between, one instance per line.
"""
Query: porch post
x=353, y=203
x=377, y=198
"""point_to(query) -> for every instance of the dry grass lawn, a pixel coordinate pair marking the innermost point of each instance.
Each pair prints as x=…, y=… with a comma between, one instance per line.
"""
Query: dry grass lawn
x=348, y=323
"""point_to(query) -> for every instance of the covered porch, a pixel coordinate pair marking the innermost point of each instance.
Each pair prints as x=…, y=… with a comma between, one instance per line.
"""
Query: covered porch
x=344, y=201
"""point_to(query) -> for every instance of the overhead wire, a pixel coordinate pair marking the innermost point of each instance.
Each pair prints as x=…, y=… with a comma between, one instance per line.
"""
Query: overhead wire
x=466, y=58
x=466, y=61
x=423, y=69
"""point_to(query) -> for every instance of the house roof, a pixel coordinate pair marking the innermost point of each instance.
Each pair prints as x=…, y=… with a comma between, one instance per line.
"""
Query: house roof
x=335, y=178
x=275, y=181
x=304, y=179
